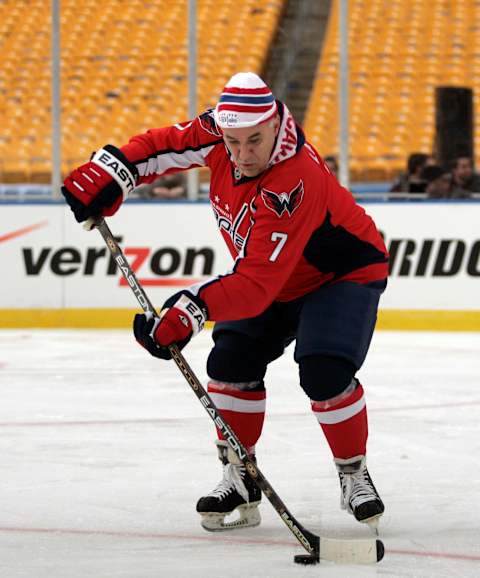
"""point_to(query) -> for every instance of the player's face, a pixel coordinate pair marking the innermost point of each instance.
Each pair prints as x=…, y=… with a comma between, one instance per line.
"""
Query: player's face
x=252, y=147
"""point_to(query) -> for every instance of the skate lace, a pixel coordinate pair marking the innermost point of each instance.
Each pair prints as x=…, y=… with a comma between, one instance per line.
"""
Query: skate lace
x=232, y=481
x=357, y=488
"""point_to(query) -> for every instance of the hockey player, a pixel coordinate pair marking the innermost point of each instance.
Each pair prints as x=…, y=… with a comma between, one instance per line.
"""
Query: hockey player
x=309, y=265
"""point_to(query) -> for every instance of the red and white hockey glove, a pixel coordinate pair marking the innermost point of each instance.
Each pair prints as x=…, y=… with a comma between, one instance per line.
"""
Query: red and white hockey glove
x=183, y=315
x=99, y=187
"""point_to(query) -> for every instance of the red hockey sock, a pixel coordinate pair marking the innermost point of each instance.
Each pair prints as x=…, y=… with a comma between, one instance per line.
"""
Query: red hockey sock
x=345, y=424
x=243, y=410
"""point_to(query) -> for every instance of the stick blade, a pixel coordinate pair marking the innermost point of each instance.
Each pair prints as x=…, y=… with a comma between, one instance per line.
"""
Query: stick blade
x=368, y=551
x=306, y=559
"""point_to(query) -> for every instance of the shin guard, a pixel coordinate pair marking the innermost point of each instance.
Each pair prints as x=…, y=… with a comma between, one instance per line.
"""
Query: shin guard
x=243, y=409
x=344, y=424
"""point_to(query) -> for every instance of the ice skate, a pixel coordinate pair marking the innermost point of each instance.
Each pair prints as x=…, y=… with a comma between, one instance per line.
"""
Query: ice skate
x=235, y=492
x=358, y=494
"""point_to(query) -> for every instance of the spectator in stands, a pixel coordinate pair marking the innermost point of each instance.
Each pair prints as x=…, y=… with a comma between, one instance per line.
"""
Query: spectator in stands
x=166, y=187
x=440, y=185
x=332, y=164
x=463, y=174
x=411, y=181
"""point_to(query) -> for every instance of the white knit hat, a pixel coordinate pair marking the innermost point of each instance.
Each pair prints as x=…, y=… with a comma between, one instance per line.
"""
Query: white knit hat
x=245, y=101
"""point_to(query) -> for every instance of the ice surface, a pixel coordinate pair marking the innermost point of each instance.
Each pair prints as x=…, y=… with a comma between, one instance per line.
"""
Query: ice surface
x=105, y=450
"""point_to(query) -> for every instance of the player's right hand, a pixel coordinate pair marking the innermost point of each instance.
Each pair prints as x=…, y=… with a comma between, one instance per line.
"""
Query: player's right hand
x=99, y=187
x=183, y=315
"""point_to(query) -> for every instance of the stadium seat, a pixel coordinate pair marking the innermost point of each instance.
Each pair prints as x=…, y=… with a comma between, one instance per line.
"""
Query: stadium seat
x=398, y=53
x=124, y=70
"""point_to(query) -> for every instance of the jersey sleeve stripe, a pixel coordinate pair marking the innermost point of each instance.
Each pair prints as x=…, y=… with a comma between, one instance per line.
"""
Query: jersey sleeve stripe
x=165, y=160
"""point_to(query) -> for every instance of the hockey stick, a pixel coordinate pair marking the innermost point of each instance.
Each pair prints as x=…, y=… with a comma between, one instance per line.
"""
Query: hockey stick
x=340, y=551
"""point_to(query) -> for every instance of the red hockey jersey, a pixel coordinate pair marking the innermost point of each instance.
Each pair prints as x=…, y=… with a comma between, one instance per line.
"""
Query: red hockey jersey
x=290, y=229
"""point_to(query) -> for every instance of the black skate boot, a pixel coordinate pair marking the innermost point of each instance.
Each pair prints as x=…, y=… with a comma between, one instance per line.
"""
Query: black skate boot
x=358, y=494
x=236, y=491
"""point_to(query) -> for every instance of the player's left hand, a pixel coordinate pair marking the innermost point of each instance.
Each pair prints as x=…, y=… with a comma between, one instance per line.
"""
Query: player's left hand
x=183, y=315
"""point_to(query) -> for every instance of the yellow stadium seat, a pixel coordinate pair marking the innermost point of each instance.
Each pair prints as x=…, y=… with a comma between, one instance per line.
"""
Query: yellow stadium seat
x=123, y=70
x=399, y=52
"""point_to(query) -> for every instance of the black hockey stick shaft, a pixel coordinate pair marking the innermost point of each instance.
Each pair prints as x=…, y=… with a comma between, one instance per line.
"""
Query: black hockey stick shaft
x=310, y=541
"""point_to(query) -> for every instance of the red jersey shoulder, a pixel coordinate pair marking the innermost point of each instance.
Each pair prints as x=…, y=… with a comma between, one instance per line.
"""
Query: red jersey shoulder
x=207, y=122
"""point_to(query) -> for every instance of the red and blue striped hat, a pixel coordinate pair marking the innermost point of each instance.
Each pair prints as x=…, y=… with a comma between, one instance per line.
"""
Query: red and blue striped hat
x=245, y=101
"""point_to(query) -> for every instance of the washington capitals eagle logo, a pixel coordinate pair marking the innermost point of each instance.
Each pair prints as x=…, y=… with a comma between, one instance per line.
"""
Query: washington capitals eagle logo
x=281, y=202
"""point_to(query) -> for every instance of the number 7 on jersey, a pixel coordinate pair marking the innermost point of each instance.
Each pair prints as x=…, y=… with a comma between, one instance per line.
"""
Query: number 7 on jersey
x=280, y=239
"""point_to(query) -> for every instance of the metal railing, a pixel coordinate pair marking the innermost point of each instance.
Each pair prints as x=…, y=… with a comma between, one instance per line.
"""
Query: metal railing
x=27, y=192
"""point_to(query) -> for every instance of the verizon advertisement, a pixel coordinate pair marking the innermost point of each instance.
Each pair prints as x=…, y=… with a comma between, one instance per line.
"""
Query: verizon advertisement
x=51, y=262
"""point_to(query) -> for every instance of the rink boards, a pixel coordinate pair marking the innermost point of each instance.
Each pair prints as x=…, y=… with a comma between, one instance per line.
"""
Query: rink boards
x=56, y=274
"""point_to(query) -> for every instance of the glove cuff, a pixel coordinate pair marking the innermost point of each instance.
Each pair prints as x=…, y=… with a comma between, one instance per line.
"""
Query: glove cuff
x=194, y=309
x=116, y=164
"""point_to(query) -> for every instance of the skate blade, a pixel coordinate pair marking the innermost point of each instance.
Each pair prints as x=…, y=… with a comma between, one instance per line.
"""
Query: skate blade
x=249, y=517
x=373, y=523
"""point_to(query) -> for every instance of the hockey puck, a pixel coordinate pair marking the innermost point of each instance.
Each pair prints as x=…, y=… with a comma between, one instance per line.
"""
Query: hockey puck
x=306, y=559
x=380, y=550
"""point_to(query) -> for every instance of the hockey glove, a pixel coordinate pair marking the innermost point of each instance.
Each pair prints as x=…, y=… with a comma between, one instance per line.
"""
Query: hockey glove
x=98, y=187
x=183, y=315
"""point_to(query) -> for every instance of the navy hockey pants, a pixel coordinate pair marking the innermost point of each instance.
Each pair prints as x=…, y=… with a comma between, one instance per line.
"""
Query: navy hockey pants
x=335, y=322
